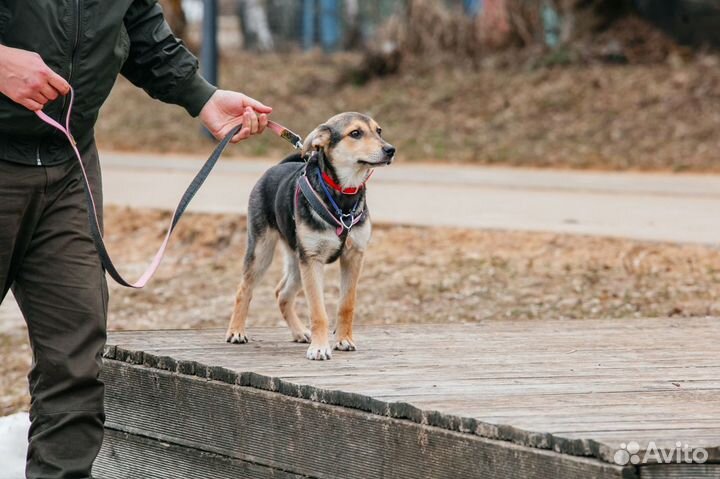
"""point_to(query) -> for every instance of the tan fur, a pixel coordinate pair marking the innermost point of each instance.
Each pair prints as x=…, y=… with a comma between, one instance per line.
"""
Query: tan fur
x=312, y=279
x=252, y=273
x=286, y=292
x=350, y=267
x=365, y=147
x=236, y=328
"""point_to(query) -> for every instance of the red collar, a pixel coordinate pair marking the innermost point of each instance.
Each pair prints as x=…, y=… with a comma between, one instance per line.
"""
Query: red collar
x=346, y=191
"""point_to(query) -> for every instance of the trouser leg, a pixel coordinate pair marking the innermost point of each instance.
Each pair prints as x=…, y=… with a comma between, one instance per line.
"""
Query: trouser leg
x=21, y=197
x=61, y=290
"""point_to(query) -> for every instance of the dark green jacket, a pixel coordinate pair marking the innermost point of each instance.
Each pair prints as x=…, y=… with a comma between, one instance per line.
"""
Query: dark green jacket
x=89, y=42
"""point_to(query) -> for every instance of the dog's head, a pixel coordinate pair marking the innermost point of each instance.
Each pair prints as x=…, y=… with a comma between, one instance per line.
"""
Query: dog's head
x=351, y=142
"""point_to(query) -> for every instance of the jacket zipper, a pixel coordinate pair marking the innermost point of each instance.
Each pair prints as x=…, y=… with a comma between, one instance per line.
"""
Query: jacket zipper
x=73, y=56
x=78, y=10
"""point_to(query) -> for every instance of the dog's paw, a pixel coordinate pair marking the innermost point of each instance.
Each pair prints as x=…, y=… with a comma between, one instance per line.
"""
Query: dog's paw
x=236, y=338
x=345, y=345
x=320, y=352
x=302, y=336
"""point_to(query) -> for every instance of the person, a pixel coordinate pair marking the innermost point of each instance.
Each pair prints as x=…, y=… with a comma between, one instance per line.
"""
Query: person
x=47, y=255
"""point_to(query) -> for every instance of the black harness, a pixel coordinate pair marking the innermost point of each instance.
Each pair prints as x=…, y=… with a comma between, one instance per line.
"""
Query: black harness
x=343, y=221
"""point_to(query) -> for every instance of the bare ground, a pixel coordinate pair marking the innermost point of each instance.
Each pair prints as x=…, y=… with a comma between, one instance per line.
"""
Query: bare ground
x=659, y=116
x=412, y=275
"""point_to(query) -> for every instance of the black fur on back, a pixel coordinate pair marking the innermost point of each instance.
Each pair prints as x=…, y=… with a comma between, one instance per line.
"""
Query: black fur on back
x=272, y=202
x=294, y=158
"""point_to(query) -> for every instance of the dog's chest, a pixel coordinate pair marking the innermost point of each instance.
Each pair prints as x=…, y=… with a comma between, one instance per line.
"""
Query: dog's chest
x=326, y=245
x=320, y=244
x=359, y=237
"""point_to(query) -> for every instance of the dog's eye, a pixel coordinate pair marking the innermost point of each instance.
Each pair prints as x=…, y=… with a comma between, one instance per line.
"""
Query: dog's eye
x=356, y=134
x=379, y=131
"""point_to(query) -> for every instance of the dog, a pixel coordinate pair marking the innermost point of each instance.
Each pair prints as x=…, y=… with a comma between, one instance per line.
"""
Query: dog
x=314, y=202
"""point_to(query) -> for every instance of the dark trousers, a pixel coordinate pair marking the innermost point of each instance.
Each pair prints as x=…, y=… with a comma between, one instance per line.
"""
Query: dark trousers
x=48, y=259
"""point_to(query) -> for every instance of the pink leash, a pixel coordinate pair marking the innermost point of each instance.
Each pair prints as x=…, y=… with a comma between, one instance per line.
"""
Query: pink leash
x=190, y=192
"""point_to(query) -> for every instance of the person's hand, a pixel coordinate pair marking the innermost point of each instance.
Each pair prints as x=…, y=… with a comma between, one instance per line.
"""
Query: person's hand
x=27, y=80
x=227, y=109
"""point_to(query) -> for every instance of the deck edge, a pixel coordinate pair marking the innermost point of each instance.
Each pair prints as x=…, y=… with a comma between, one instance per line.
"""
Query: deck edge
x=396, y=410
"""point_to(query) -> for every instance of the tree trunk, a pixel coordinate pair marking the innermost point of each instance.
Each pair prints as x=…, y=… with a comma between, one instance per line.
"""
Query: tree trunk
x=256, y=29
x=175, y=16
x=353, y=32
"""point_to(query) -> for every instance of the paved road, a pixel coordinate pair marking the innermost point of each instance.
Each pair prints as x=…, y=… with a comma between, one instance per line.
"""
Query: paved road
x=663, y=207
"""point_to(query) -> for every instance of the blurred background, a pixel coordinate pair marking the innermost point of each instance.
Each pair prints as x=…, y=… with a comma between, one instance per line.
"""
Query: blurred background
x=556, y=159
x=611, y=84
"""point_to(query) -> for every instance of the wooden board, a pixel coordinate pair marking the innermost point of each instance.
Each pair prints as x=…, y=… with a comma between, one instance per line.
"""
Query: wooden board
x=681, y=471
x=281, y=433
x=579, y=388
x=128, y=456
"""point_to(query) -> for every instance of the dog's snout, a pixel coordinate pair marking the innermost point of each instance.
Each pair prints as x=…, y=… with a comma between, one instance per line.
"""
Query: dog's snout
x=389, y=150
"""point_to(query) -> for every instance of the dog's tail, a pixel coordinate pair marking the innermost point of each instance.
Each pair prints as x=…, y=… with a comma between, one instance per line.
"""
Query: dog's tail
x=294, y=158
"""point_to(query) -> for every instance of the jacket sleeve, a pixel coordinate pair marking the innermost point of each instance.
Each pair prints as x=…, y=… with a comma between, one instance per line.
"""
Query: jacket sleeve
x=160, y=63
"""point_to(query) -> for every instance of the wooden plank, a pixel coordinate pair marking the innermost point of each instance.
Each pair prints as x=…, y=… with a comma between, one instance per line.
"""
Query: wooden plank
x=551, y=333
x=577, y=387
x=681, y=471
x=126, y=456
x=687, y=378
x=665, y=440
x=316, y=439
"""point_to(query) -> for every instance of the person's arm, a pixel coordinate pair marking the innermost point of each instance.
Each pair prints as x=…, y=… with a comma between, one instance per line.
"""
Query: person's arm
x=27, y=80
x=161, y=65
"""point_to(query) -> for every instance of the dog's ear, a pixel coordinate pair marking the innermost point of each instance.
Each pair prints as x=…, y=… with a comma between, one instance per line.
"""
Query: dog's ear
x=318, y=139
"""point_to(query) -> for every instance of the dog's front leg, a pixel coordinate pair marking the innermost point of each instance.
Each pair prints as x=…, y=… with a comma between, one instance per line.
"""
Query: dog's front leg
x=312, y=271
x=350, y=266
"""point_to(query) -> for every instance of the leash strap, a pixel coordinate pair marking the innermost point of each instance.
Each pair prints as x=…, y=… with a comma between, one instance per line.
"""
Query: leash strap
x=185, y=200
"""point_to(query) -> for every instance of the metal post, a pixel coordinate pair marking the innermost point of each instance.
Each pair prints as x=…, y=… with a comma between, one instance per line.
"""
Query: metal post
x=472, y=7
x=308, y=24
x=330, y=24
x=209, y=49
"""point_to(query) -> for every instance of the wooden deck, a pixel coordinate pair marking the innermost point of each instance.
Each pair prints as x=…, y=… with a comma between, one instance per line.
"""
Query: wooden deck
x=520, y=399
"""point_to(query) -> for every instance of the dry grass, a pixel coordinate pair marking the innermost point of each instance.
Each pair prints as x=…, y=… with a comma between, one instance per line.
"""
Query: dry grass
x=591, y=31
x=16, y=355
x=416, y=274
x=412, y=275
x=660, y=116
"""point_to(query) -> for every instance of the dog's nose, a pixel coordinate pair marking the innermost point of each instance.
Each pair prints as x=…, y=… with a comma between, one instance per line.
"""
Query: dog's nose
x=389, y=150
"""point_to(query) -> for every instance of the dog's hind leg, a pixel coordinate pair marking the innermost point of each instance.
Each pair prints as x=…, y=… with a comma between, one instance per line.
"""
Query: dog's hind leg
x=258, y=258
x=286, y=292
x=311, y=272
x=350, y=266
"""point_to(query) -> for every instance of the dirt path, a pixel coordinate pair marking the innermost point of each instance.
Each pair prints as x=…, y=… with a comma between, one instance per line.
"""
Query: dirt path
x=657, y=207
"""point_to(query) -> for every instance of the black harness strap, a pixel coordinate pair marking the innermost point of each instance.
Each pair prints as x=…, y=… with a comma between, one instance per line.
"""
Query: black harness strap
x=315, y=203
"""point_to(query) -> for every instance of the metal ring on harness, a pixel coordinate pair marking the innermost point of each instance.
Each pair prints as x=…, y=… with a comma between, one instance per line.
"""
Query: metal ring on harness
x=352, y=220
